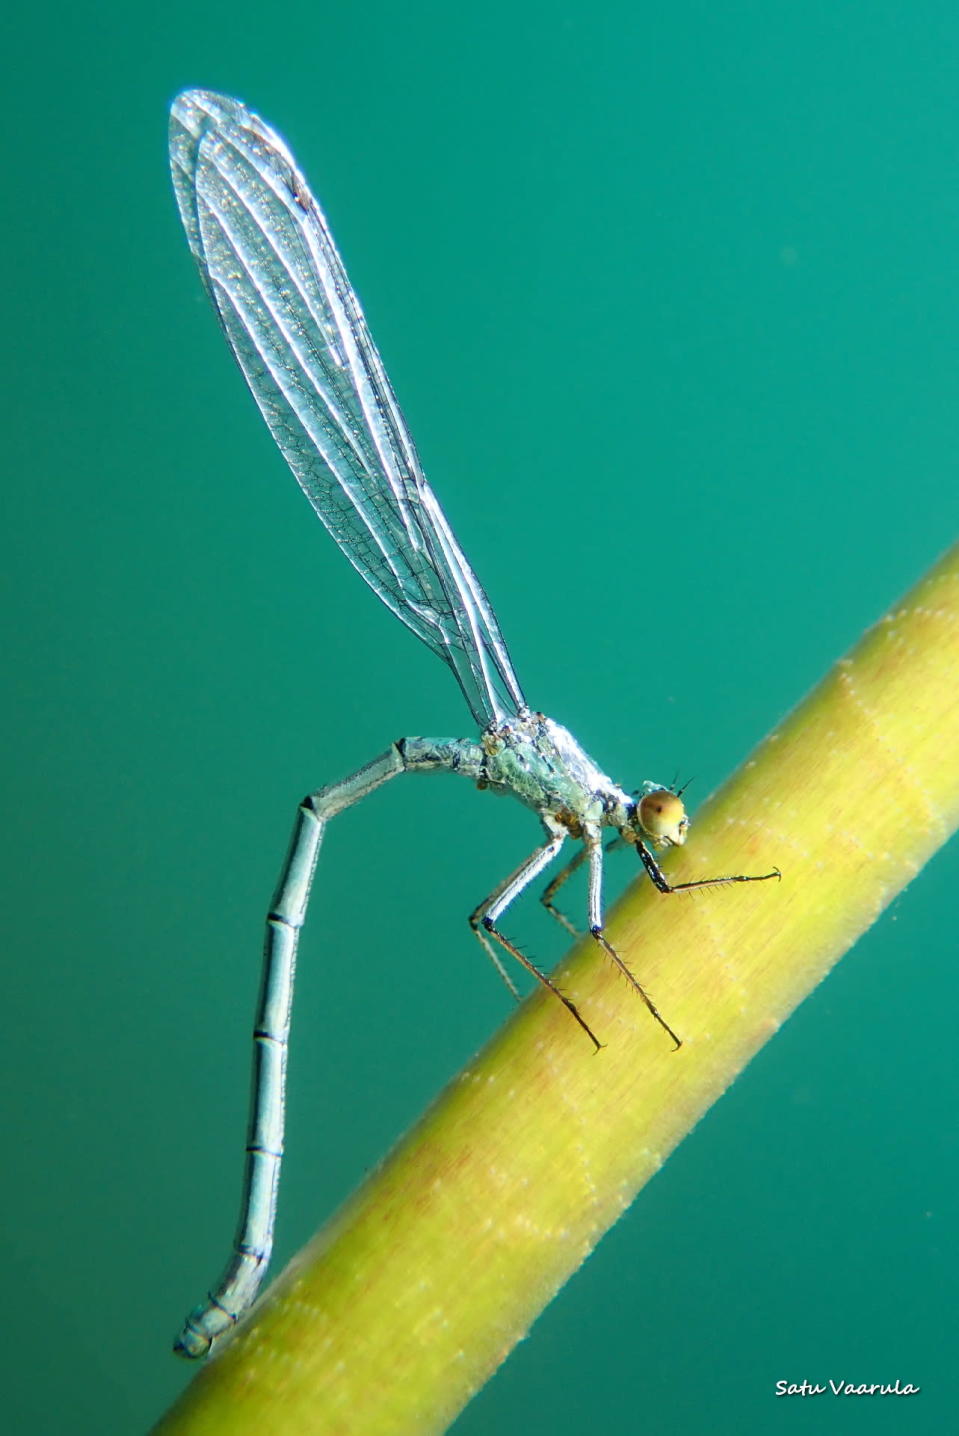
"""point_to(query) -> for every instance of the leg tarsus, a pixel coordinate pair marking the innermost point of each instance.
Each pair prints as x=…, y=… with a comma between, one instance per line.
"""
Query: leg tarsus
x=610, y=951
x=543, y=978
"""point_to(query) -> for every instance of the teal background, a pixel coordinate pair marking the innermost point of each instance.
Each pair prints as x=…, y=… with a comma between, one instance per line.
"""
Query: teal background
x=672, y=305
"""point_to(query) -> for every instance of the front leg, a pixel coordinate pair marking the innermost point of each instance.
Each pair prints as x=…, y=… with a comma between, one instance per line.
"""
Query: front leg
x=660, y=881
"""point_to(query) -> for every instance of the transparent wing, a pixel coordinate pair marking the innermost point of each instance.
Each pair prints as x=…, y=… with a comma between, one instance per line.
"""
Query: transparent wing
x=296, y=328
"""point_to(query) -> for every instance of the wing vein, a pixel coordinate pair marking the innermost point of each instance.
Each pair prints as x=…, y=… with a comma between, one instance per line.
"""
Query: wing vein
x=298, y=333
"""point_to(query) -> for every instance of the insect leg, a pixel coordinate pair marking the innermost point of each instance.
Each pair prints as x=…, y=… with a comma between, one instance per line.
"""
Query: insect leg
x=594, y=848
x=546, y=898
x=659, y=877
x=483, y=921
x=567, y=872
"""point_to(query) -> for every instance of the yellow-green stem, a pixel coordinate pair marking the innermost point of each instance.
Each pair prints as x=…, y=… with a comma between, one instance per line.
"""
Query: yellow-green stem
x=417, y=1289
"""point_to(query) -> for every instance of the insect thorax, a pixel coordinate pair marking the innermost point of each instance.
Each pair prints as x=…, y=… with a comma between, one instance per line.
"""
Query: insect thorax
x=540, y=763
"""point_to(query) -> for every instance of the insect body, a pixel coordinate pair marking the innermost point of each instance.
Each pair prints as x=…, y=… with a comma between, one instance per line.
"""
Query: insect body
x=297, y=331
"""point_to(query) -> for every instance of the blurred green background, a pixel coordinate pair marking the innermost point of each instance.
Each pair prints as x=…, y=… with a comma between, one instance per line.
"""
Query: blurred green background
x=671, y=301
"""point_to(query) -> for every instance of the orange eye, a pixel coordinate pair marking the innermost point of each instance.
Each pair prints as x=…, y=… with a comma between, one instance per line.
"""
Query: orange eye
x=663, y=816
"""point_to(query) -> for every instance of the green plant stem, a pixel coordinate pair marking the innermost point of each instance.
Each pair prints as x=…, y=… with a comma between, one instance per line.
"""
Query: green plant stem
x=411, y=1296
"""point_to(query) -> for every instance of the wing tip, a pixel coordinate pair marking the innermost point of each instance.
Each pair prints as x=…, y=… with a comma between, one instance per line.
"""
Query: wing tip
x=197, y=113
x=194, y=110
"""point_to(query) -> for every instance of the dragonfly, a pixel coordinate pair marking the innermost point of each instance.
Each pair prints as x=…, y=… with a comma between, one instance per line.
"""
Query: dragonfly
x=292, y=319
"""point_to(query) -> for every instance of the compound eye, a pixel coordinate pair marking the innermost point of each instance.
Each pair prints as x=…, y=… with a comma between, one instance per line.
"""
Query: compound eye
x=663, y=816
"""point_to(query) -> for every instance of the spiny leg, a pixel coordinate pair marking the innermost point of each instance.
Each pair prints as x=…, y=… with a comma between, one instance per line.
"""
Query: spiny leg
x=513, y=883
x=476, y=919
x=483, y=922
x=659, y=877
x=594, y=850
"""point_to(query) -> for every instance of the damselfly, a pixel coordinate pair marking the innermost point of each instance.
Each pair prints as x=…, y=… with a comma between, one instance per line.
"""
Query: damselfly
x=297, y=331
